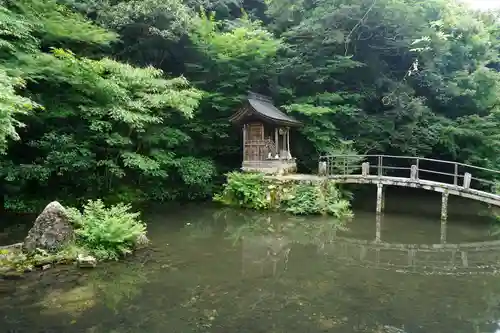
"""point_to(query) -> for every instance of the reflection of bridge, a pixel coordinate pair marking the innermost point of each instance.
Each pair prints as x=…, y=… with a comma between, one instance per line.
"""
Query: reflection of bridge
x=447, y=259
x=435, y=175
x=285, y=254
x=482, y=258
x=455, y=259
x=270, y=253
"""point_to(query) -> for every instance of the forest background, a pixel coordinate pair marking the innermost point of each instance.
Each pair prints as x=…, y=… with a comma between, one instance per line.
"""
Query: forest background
x=129, y=100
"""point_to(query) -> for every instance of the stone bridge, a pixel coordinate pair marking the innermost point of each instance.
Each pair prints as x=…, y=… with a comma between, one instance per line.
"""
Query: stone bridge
x=441, y=176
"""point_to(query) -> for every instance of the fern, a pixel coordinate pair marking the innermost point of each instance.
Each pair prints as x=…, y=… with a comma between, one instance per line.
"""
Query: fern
x=107, y=232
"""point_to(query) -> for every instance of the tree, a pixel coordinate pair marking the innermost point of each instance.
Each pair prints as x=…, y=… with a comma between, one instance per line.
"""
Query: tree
x=104, y=129
x=138, y=108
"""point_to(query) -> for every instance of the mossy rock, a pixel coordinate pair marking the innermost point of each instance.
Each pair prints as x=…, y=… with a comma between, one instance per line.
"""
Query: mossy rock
x=14, y=262
x=11, y=275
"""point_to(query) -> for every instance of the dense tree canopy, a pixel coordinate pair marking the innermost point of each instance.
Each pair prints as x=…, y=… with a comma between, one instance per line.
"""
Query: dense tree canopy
x=128, y=99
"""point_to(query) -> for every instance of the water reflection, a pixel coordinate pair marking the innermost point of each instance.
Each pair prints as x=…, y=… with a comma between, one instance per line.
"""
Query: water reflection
x=268, y=243
x=268, y=240
x=460, y=258
x=67, y=296
x=215, y=271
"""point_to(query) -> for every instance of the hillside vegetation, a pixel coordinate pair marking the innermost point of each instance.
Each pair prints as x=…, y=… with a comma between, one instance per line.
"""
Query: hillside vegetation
x=128, y=100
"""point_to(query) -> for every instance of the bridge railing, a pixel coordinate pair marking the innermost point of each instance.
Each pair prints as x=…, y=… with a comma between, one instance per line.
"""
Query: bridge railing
x=448, y=172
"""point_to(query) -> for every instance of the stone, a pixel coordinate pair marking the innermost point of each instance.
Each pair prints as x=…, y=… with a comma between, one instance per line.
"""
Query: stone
x=322, y=171
x=467, y=180
x=413, y=172
x=51, y=231
x=83, y=261
x=365, y=169
x=142, y=240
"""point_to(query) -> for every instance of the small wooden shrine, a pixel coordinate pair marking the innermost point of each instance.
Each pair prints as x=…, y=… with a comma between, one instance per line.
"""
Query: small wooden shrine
x=266, y=136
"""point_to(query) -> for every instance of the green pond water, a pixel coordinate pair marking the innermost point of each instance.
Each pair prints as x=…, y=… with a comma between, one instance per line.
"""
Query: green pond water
x=221, y=270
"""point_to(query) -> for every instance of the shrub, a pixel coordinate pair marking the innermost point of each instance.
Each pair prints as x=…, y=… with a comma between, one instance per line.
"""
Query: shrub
x=107, y=232
x=318, y=198
x=248, y=190
x=254, y=191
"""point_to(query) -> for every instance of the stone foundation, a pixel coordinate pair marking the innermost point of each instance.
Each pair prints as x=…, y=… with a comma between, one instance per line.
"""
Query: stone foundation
x=270, y=166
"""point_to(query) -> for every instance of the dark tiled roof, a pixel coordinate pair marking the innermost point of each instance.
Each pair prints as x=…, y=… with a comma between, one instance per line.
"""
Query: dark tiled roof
x=264, y=107
x=270, y=111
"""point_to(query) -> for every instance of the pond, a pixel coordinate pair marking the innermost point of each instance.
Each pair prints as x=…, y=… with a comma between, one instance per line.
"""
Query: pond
x=222, y=270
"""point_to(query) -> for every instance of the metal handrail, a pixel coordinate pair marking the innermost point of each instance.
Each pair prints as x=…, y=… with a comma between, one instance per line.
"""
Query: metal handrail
x=350, y=164
x=415, y=157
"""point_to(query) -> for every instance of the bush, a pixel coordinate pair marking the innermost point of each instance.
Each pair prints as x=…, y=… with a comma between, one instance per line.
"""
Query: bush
x=254, y=191
x=107, y=232
x=247, y=190
x=318, y=198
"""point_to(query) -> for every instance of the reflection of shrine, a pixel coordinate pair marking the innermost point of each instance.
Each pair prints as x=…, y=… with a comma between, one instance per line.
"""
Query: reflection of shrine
x=264, y=255
x=267, y=242
x=461, y=258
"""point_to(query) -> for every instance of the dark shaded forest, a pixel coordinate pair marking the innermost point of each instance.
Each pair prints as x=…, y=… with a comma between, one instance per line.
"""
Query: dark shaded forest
x=129, y=100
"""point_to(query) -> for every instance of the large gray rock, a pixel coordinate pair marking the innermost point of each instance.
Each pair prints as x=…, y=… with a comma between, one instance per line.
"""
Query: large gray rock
x=51, y=231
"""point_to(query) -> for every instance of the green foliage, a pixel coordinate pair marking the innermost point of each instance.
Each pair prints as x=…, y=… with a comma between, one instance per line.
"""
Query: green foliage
x=107, y=232
x=55, y=23
x=11, y=106
x=15, y=259
x=254, y=191
x=94, y=127
x=165, y=18
x=226, y=59
x=109, y=124
x=319, y=198
x=110, y=91
x=16, y=34
x=235, y=57
x=246, y=40
x=248, y=190
x=404, y=72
